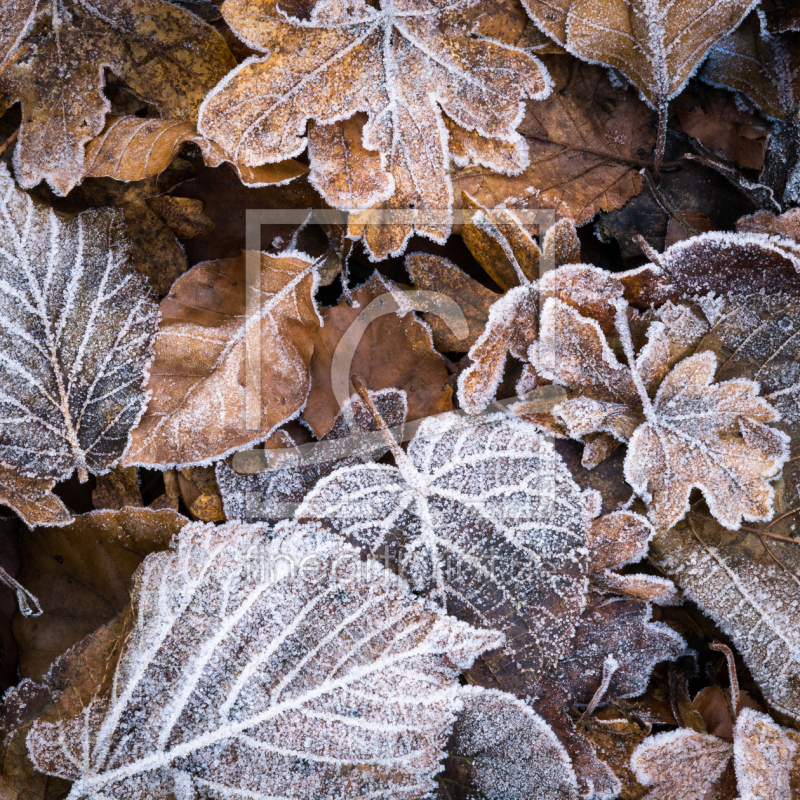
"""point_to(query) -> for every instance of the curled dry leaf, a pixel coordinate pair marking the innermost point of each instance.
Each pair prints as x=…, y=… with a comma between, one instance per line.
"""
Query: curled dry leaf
x=586, y=144
x=82, y=574
x=32, y=499
x=401, y=66
x=198, y=382
x=747, y=582
x=684, y=430
x=759, y=64
x=394, y=352
x=130, y=149
x=200, y=493
x=265, y=485
x=76, y=326
x=502, y=749
x=168, y=57
x=291, y=687
x=117, y=489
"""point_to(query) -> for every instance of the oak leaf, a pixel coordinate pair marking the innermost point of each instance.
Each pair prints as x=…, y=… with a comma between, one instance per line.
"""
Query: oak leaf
x=198, y=386
x=167, y=56
x=403, y=67
x=332, y=684
x=130, y=149
x=395, y=351
x=586, y=143
x=76, y=327
x=502, y=749
x=683, y=430
x=82, y=574
x=747, y=582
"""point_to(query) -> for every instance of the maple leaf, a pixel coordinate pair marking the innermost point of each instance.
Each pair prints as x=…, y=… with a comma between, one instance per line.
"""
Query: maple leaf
x=260, y=486
x=687, y=765
x=747, y=582
x=394, y=351
x=76, y=324
x=683, y=431
x=502, y=749
x=196, y=412
x=656, y=44
x=585, y=141
x=131, y=149
x=167, y=56
x=403, y=65
x=332, y=684
x=764, y=67
x=82, y=572
x=482, y=517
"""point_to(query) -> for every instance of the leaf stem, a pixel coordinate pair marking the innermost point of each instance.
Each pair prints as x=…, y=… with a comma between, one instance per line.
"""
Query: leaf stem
x=624, y=331
x=661, y=140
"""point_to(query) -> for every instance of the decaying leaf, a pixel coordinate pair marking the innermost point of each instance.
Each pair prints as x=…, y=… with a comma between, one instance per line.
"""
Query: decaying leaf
x=403, y=67
x=763, y=66
x=334, y=684
x=264, y=485
x=117, y=489
x=32, y=499
x=747, y=581
x=167, y=56
x=200, y=493
x=82, y=573
x=684, y=430
x=394, y=351
x=76, y=326
x=130, y=149
x=502, y=749
x=586, y=143
x=656, y=44
x=198, y=380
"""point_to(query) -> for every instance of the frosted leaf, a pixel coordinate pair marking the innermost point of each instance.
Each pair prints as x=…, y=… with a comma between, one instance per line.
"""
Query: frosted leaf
x=196, y=412
x=167, y=56
x=404, y=63
x=764, y=67
x=763, y=755
x=656, y=44
x=32, y=499
x=326, y=682
x=482, y=516
x=76, y=327
x=17, y=17
x=131, y=149
x=681, y=764
x=274, y=492
x=503, y=750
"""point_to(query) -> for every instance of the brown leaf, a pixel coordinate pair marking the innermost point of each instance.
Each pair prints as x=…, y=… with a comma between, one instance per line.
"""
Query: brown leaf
x=168, y=57
x=10, y=531
x=763, y=66
x=249, y=690
x=117, y=489
x=81, y=574
x=183, y=216
x=401, y=70
x=17, y=16
x=32, y=499
x=783, y=16
x=786, y=226
x=395, y=352
x=200, y=492
x=130, y=149
x=436, y=274
x=586, y=146
x=197, y=408
x=657, y=45
x=722, y=127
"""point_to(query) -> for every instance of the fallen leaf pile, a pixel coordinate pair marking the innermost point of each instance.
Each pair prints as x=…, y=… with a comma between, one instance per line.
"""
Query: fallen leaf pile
x=399, y=399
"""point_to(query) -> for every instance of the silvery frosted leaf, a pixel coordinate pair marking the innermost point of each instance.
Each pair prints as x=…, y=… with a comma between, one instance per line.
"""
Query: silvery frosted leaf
x=483, y=516
x=240, y=682
x=76, y=324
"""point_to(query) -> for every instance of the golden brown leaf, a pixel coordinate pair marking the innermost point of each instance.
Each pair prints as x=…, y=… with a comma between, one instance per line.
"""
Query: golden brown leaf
x=197, y=408
x=615, y=738
x=763, y=66
x=32, y=499
x=117, y=489
x=201, y=494
x=82, y=574
x=395, y=352
x=182, y=215
x=17, y=16
x=168, y=57
x=786, y=226
x=587, y=144
x=130, y=149
x=403, y=69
